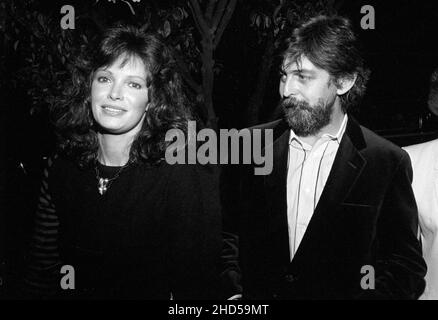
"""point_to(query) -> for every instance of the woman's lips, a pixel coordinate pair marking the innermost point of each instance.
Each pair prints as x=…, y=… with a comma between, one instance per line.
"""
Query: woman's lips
x=112, y=110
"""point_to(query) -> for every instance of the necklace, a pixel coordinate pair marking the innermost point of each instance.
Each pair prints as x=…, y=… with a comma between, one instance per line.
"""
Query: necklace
x=104, y=183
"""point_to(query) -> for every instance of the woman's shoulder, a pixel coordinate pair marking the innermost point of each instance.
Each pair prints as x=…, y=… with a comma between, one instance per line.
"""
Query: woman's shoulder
x=185, y=177
x=188, y=170
x=60, y=165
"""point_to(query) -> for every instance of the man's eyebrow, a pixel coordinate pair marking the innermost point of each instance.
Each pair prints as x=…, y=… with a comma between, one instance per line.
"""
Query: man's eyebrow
x=304, y=71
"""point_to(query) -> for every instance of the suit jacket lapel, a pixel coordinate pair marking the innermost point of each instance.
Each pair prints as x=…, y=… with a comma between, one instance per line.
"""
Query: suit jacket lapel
x=347, y=166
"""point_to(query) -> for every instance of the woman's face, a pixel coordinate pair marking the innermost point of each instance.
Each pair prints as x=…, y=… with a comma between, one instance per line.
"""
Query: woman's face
x=119, y=96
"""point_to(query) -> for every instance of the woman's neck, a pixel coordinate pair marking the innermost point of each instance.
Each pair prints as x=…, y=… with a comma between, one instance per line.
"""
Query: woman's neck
x=114, y=149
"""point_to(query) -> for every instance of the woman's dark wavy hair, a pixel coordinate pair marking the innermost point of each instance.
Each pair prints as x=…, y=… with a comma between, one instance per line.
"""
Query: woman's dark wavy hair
x=169, y=106
x=330, y=44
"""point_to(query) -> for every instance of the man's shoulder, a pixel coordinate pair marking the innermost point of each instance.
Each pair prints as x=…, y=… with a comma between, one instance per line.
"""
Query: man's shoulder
x=374, y=139
x=381, y=147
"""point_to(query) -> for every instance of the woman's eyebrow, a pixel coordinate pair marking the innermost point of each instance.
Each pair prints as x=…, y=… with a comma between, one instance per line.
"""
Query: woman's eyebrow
x=103, y=70
x=138, y=77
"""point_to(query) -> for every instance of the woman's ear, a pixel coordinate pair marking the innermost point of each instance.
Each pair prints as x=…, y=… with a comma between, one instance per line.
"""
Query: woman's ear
x=345, y=84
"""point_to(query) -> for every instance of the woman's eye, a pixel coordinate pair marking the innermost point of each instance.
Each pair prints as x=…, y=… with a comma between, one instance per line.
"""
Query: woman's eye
x=135, y=85
x=102, y=79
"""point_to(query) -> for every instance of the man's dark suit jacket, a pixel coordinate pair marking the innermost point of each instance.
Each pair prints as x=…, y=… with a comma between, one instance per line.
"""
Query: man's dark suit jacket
x=366, y=216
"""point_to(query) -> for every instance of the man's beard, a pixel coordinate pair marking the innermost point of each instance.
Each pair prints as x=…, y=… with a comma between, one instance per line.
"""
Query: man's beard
x=306, y=120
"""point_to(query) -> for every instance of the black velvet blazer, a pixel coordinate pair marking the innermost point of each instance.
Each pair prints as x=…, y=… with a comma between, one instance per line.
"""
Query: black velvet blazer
x=366, y=216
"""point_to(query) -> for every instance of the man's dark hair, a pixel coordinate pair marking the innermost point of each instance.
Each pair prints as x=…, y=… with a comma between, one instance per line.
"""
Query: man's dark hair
x=169, y=106
x=330, y=44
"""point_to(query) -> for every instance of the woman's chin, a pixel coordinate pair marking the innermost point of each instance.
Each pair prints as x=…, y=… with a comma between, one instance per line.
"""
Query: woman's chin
x=110, y=129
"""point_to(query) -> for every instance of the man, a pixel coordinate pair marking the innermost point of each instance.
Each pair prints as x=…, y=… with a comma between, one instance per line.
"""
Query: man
x=424, y=158
x=336, y=218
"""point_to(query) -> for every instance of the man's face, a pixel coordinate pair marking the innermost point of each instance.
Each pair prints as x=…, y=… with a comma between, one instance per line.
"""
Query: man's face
x=308, y=97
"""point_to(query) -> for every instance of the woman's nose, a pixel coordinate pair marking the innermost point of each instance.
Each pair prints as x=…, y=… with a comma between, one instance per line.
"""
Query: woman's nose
x=116, y=92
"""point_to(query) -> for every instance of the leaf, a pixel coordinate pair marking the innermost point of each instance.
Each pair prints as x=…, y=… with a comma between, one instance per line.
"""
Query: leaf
x=267, y=22
x=253, y=18
x=177, y=14
x=185, y=14
x=166, y=28
x=16, y=45
x=40, y=20
x=258, y=21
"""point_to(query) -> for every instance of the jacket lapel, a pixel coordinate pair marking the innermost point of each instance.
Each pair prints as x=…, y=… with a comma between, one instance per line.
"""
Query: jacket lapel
x=347, y=167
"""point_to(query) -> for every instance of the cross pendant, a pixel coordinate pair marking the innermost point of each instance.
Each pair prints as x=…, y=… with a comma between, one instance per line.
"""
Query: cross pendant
x=103, y=184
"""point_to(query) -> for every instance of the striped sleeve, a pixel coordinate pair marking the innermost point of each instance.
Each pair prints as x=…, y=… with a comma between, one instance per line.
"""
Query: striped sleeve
x=42, y=274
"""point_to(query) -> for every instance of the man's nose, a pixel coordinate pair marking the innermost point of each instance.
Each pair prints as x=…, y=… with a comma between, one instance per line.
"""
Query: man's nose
x=289, y=87
x=116, y=92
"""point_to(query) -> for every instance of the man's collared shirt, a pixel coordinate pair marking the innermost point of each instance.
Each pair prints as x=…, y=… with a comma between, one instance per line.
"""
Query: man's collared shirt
x=308, y=170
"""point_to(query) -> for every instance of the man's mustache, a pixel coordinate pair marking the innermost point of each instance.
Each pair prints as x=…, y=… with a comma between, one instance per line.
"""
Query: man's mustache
x=293, y=103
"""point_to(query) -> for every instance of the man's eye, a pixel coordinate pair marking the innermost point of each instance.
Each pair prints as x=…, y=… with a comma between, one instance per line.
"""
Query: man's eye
x=302, y=77
x=135, y=85
x=283, y=76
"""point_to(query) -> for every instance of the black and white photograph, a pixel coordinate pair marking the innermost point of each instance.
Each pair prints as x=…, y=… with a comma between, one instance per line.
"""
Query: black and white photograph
x=223, y=157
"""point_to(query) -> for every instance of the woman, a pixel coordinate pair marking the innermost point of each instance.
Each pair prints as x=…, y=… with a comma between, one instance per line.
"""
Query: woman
x=129, y=224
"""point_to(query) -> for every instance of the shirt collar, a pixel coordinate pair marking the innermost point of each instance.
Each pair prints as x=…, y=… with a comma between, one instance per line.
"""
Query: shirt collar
x=326, y=136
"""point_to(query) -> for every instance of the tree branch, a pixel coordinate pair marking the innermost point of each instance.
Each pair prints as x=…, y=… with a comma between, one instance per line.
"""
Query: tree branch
x=199, y=18
x=186, y=73
x=209, y=11
x=277, y=10
x=338, y=5
x=224, y=22
x=218, y=14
